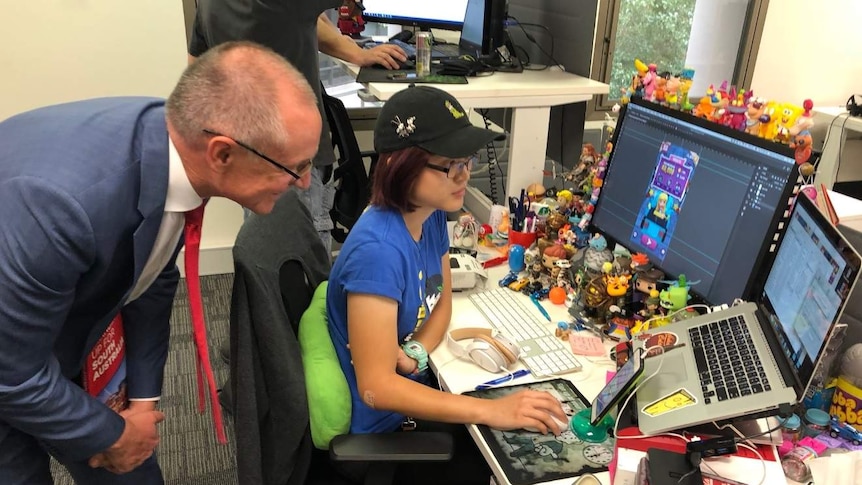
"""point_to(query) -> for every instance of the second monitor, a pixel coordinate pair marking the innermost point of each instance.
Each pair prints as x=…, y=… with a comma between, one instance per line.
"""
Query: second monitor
x=698, y=198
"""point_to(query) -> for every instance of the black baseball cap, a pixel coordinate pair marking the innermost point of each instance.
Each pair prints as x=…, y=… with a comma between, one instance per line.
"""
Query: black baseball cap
x=431, y=119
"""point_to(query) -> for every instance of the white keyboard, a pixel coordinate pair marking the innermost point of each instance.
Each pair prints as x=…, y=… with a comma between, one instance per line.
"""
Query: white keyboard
x=516, y=317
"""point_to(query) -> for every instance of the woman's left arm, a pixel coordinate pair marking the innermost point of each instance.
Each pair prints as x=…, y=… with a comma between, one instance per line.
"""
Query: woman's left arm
x=435, y=327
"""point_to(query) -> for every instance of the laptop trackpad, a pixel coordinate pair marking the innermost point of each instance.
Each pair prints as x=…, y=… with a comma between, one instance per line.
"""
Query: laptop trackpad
x=672, y=372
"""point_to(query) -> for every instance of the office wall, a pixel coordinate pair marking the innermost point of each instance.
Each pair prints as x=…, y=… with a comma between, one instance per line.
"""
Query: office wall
x=572, y=23
x=55, y=51
x=810, y=50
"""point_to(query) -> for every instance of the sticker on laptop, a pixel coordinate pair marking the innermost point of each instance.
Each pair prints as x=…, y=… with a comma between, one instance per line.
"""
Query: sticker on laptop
x=662, y=339
x=676, y=400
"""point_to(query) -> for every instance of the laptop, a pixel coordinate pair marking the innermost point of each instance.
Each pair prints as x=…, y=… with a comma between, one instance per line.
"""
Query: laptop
x=751, y=358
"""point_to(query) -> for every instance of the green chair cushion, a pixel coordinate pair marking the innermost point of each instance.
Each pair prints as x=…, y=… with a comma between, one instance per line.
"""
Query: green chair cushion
x=329, y=406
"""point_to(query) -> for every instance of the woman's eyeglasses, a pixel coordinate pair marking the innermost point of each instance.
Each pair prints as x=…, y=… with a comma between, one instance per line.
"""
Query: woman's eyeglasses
x=300, y=172
x=455, y=167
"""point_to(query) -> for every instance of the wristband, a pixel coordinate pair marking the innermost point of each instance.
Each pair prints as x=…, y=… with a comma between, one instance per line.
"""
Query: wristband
x=415, y=350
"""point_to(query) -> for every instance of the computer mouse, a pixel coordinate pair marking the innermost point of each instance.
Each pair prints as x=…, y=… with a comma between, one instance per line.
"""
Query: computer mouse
x=564, y=425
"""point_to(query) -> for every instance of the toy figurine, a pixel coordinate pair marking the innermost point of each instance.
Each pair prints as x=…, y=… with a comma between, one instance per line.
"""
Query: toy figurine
x=756, y=107
x=802, y=153
x=649, y=82
x=788, y=115
x=534, y=278
x=466, y=232
x=675, y=298
x=350, y=20
x=805, y=121
x=550, y=256
x=596, y=297
x=597, y=254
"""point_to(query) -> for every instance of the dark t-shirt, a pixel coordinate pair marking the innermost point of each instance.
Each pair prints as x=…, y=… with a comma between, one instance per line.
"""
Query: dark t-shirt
x=288, y=27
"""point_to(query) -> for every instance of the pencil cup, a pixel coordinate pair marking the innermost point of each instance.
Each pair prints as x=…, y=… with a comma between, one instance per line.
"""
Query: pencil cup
x=523, y=239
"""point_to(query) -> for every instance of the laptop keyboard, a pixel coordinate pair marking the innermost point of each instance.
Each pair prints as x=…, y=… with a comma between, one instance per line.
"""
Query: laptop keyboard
x=727, y=363
x=511, y=314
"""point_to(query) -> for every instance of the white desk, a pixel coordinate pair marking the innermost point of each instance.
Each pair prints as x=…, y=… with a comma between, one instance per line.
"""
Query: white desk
x=457, y=376
x=839, y=124
x=530, y=94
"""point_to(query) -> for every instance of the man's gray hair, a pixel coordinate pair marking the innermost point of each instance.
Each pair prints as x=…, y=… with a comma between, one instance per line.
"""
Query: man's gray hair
x=233, y=89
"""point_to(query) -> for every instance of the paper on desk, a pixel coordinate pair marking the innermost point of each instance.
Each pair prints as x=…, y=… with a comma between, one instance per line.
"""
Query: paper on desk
x=737, y=468
x=843, y=468
x=588, y=345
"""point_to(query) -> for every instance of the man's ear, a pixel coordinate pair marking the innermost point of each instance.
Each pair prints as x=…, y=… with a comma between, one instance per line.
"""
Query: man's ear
x=219, y=152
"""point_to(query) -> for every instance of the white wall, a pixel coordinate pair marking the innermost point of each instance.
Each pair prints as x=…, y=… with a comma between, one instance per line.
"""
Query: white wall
x=810, y=50
x=53, y=51
x=60, y=50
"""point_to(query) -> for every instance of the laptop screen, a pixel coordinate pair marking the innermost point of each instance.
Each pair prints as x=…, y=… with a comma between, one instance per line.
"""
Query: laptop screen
x=698, y=198
x=811, y=277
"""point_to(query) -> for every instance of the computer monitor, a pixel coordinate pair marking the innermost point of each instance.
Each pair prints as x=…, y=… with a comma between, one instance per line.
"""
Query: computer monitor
x=483, y=28
x=698, y=198
x=437, y=14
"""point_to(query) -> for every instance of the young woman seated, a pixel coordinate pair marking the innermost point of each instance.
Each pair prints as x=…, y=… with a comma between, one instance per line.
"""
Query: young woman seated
x=390, y=295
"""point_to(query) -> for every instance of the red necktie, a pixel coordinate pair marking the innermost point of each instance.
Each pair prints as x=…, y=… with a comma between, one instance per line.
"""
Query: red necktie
x=194, y=222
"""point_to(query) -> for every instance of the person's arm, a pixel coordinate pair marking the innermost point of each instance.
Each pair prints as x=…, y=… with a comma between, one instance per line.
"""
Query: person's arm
x=371, y=320
x=48, y=247
x=331, y=42
x=434, y=329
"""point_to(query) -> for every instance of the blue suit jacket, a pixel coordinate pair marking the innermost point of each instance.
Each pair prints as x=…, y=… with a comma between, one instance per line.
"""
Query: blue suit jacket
x=82, y=194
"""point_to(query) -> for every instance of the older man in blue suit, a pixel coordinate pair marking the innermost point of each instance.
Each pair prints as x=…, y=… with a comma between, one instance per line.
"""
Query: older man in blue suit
x=92, y=203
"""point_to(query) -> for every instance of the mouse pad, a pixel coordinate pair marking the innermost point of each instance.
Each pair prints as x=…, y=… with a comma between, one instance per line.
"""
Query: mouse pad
x=376, y=75
x=527, y=457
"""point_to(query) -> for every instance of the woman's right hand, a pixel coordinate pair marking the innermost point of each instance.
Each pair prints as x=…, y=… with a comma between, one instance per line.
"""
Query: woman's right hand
x=525, y=409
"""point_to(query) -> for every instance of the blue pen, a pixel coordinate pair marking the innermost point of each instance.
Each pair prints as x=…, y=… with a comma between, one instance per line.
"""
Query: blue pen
x=540, y=307
x=500, y=380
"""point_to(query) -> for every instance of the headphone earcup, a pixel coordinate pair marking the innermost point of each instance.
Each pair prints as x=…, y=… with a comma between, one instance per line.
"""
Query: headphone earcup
x=854, y=108
x=486, y=355
x=508, y=344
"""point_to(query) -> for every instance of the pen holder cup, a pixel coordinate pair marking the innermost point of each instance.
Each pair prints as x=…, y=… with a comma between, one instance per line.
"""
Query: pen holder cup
x=523, y=239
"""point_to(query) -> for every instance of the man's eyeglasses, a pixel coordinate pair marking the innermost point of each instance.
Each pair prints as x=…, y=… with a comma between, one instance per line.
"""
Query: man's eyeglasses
x=455, y=167
x=300, y=172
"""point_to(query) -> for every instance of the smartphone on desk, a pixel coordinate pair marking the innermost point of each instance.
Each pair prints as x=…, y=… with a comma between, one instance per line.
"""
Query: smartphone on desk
x=400, y=76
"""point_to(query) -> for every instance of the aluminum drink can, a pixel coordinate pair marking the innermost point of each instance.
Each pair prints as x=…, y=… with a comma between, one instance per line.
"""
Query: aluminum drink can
x=423, y=54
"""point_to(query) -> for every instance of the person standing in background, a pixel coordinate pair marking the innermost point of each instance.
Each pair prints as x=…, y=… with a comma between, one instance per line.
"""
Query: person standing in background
x=296, y=29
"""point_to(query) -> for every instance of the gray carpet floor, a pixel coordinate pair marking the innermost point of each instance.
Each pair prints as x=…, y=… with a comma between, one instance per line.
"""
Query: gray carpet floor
x=189, y=453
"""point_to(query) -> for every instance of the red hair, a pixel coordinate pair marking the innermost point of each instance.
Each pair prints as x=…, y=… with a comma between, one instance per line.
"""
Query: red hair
x=395, y=176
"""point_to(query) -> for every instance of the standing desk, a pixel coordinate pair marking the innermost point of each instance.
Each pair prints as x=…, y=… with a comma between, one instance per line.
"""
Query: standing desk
x=530, y=94
x=458, y=376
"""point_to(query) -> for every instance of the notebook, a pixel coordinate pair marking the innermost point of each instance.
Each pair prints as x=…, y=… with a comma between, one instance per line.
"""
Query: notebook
x=752, y=358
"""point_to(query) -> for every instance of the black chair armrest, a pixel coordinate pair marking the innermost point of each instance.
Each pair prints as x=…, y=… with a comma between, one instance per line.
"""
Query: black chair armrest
x=409, y=446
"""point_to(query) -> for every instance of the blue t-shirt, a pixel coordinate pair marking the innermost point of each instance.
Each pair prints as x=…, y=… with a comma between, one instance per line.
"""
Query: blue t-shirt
x=381, y=258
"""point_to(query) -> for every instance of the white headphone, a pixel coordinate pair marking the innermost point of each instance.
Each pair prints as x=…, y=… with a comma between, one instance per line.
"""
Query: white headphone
x=490, y=350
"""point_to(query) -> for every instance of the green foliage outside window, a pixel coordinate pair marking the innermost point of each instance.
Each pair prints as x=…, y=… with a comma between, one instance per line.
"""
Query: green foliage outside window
x=654, y=31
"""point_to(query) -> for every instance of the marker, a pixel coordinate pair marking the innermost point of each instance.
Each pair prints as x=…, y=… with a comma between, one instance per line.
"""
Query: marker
x=495, y=262
x=540, y=307
x=500, y=380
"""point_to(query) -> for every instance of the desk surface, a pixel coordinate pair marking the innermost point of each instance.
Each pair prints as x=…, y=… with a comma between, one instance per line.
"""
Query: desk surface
x=551, y=87
x=458, y=376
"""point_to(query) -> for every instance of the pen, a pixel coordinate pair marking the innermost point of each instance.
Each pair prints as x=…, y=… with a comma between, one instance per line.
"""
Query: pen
x=500, y=380
x=540, y=307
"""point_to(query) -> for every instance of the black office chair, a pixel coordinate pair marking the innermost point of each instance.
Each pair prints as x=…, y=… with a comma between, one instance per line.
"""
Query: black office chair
x=353, y=187
x=279, y=260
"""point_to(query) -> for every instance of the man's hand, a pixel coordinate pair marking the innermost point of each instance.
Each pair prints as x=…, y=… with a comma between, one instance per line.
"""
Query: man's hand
x=387, y=55
x=140, y=437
